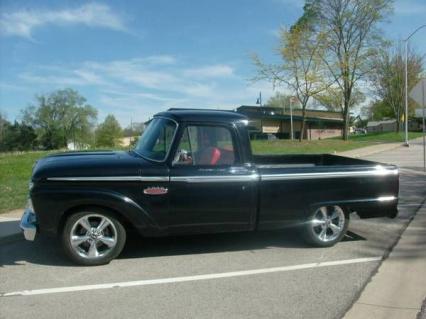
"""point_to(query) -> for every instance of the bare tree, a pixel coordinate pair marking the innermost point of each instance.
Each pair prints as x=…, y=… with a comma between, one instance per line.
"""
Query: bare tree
x=389, y=80
x=352, y=39
x=332, y=99
x=301, y=51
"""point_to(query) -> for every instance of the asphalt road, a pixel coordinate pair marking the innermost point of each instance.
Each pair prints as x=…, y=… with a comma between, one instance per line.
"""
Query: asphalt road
x=303, y=291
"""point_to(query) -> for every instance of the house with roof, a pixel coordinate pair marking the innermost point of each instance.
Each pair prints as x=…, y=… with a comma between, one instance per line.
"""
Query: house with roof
x=381, y=126
x=265, y=122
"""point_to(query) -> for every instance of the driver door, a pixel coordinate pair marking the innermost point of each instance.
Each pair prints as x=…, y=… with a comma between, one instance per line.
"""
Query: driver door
x=210, y=190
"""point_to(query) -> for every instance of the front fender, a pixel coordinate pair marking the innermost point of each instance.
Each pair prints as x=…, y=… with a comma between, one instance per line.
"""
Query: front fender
x=51, y=205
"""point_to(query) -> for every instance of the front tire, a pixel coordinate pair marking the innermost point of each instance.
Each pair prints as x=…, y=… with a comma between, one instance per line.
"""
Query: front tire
x=326, y=226
x=93, y=237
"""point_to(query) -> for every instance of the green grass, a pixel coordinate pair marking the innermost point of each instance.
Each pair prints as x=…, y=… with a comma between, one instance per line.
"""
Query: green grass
x=328, y=145
x=15, y=172
x=15, y=169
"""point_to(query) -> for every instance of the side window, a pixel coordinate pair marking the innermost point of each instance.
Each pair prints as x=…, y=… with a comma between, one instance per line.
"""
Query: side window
x=205, y=146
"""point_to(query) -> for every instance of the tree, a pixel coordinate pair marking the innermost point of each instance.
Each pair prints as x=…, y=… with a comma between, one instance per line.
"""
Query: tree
x=389, y=81
x=135, y=129
x=332, y=99
x=301, y=50
x=108, y=132
x=61, y=117
x=377, y=111
x=17, y=137
x=352, y=39
x=3, y=125
x=279, y=100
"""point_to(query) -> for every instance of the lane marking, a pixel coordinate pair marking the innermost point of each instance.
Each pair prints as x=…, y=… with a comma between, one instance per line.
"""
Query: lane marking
x=187, y=278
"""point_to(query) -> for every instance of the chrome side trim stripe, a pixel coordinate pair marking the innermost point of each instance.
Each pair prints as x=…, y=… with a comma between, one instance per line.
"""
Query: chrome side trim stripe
x=215, y=179
x=386, y=199
x=275, y=177
x=111, y=179
x=227, y=178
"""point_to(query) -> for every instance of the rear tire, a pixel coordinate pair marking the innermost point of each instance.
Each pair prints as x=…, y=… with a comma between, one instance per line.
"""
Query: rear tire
x=326, y=226
x=93, y=237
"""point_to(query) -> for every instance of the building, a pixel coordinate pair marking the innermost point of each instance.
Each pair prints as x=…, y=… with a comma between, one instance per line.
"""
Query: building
x=415, y=124
x=381, y=126
x=273, y=121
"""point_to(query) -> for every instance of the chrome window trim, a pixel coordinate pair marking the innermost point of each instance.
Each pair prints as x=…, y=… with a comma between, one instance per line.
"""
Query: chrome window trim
x=171, y=143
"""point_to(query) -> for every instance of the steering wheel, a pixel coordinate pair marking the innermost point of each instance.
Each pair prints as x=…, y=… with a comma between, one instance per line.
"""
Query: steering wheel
x=183, y=157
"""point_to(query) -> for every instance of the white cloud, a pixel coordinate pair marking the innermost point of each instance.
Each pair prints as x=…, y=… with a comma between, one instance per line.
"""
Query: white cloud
x=160, y=59
x=22, y=23
x=141, y=87
x=212, y=71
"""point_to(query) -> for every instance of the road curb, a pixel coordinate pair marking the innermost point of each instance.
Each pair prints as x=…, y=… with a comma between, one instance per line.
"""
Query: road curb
x=396, y=289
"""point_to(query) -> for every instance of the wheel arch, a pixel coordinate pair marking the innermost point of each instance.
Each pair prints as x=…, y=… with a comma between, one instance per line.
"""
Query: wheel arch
x=53, y=207
x=87, y=207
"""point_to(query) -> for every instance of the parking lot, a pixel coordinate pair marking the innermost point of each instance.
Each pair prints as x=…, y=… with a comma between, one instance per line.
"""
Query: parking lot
x=244, y=275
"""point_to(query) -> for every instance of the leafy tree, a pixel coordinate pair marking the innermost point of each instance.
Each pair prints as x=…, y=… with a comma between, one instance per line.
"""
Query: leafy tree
x=3, y=125
x=108, y=133
x=61, y=117
x=301, y=50
x=378, y=110
x=389, y=81
x=352, y=39
x=135, y=129
x=17, y=137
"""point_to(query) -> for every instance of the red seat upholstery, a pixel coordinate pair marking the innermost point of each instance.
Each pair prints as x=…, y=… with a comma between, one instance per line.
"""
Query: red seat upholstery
x=215, y=157
x=209, y=156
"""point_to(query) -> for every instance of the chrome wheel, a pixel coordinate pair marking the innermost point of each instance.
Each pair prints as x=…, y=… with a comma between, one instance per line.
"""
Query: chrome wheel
x=93, y=236
x=328, y=223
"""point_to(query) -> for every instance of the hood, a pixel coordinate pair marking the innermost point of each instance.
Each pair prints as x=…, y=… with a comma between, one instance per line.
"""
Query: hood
x=88, y=164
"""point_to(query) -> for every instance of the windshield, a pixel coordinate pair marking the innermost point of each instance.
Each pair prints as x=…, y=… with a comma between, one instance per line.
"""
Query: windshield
x=157, y=139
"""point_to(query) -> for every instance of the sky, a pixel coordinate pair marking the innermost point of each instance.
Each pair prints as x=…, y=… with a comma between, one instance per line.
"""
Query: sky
x=136, y=58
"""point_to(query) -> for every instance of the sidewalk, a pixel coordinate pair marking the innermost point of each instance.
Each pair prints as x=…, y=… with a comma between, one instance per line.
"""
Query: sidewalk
x=399, y=287
x=9, y=226
x=369, y=150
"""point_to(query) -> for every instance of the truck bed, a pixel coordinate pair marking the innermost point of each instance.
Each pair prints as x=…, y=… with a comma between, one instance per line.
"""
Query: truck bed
x=297, y=184
x=283, y=161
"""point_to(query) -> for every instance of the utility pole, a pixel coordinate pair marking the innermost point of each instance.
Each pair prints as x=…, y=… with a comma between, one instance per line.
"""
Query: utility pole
x=131, y=132
x=291, y=118
x=406, y=82
x=424, y=129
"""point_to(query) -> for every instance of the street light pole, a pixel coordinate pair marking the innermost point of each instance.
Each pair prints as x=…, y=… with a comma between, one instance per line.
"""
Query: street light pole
x=406, y=82
x=291, y=118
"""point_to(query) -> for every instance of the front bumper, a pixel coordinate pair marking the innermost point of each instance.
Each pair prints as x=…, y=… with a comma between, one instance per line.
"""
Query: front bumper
x=29, y=224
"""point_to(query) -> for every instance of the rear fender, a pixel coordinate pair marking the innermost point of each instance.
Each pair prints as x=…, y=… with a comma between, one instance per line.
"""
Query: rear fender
x=365, y=208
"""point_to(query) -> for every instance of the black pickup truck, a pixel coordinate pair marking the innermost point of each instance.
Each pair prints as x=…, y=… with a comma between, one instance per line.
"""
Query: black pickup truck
x=193, y=171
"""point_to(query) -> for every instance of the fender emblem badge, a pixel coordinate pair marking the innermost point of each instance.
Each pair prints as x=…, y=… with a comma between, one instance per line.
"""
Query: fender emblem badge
x=155, y=191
